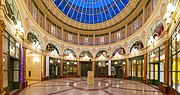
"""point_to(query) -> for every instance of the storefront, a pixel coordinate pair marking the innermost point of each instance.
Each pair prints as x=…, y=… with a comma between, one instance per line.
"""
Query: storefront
x=69, y=68
x=101, y=68
x=54, y=68
x=174, y=60
x=118, y=68
x=136, y=68
x=11, y=62
x=155, y=66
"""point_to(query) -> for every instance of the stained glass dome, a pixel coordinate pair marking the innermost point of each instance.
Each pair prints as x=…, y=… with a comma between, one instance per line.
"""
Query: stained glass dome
x=91, y=11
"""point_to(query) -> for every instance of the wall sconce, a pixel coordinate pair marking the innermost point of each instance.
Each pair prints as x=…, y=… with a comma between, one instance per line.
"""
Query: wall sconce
x=19, y=29
x=169, y=15
x=36, y=59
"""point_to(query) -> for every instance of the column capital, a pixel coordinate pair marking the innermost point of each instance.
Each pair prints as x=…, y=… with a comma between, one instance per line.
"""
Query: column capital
x=2, y=25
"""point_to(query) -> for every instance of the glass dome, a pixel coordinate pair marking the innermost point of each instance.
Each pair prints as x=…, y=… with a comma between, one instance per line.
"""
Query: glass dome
x=91, y=11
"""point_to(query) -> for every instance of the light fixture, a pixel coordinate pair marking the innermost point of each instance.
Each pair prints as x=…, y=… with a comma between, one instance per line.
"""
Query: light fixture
x=19, y=29
x=75, y=63
x=35, y=59
x=51, y=61
x=116, y=62
x=67, y=63
x=169, y=15
x=4, y=59
x=107, y=63
x=59, y=61
x=124, y=63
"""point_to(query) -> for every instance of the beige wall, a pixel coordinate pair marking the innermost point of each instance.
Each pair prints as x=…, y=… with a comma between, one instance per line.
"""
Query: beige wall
x=34, y=67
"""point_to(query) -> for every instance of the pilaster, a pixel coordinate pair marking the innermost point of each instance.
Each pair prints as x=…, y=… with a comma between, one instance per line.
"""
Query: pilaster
x=2, y=27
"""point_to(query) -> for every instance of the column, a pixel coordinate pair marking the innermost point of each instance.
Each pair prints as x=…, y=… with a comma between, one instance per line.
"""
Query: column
x=62, y=34
x=78, y=38
x=2, y=27
x=78, y=68
x=145, y=67
x=24, y=69
x=93, y=65
x=61, y=66
x=94, y=40
x=109, y=68
x=45, y=23
x=126, y=30
x=109, y=37
x=144, y=15
x=127, y=67
x=166, y=64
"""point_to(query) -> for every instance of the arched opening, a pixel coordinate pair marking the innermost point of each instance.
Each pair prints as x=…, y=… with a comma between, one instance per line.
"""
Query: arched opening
x=101, y=64
x=86, y=62
x=69, y=63
x=118, y=63
x=54, y=61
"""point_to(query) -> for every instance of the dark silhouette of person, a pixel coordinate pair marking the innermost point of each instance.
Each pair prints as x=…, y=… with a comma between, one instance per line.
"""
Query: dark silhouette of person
x=90, y=65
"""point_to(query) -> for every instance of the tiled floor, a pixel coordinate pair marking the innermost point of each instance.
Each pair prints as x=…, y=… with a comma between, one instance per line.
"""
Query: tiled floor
x=78, y=86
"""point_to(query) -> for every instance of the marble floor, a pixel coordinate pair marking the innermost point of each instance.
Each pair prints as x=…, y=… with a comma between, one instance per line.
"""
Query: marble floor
x=78, y=86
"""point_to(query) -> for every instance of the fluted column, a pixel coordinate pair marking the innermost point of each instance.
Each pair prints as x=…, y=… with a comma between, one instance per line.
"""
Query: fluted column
x=2, y=27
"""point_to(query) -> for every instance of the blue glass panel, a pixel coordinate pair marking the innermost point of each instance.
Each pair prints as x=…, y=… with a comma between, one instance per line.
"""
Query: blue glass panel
x=82, y=18
x=61, y=7
x=91, y=11
x=57, y=2
x=91, y=19
x=70, y=12
x=78, y=16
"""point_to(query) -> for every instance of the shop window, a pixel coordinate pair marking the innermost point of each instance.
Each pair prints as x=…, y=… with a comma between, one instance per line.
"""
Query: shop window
x=69, y=67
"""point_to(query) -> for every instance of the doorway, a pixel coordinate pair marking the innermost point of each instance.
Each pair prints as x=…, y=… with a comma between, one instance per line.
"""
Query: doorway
x=54, y=71
x=84, y=68
x=154, y=73
x=14, y=70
